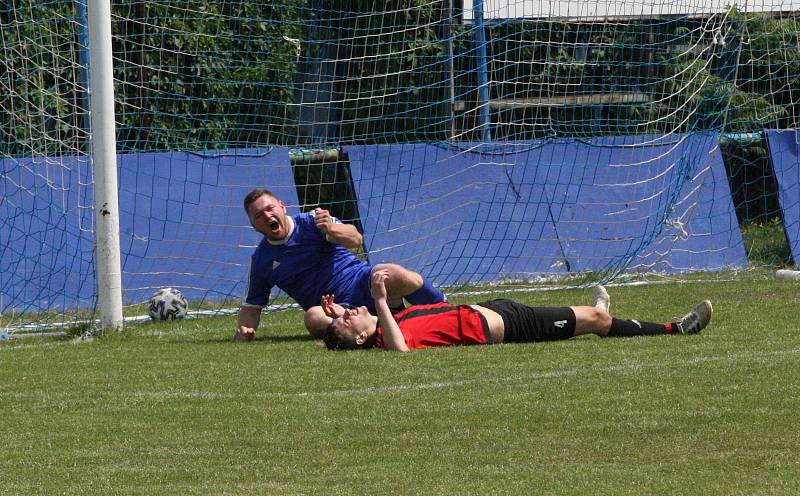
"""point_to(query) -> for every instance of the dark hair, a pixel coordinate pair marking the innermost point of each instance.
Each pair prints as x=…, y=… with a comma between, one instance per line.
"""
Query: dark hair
x=334, y=343
x=255, y=195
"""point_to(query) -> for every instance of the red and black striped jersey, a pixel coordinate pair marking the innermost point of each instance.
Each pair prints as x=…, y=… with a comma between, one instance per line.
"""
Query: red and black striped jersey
x=440, y=324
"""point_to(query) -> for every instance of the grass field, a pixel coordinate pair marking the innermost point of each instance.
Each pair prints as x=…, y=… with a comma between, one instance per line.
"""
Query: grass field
x=178, y=409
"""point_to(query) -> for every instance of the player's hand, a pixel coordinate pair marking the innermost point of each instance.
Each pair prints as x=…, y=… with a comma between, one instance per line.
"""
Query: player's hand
x=330, y=307
x=378, y=286
x=244, y=334
x=322, y=219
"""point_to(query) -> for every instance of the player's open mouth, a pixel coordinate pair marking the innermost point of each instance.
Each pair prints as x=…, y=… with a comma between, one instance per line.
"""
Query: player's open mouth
x=274, y=225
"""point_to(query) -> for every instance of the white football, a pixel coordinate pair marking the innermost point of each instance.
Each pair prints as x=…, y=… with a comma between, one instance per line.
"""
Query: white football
x=167, y=304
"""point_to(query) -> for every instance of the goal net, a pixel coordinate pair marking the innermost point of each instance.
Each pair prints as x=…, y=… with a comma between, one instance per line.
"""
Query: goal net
x=495, y=142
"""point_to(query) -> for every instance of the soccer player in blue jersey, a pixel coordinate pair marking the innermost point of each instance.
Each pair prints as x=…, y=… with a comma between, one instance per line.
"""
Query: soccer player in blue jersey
x=307, y=256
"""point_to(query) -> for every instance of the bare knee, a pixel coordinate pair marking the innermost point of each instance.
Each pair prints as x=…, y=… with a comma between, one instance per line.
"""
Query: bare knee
x=401, y=281
x=591, y=320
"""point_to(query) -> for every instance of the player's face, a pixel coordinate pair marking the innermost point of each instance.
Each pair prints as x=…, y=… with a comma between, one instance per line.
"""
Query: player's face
x=268, y=216
x=356, y=325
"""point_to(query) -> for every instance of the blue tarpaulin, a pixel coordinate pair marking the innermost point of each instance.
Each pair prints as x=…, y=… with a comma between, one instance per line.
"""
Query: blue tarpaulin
x=784, y=150
x=181, y=225
x=478, y=213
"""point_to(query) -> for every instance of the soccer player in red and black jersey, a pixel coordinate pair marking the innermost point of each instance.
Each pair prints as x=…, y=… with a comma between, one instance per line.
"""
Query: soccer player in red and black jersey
x=495, y=321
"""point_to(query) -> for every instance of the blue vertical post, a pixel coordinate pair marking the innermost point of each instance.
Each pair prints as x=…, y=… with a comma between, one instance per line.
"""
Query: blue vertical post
x=316, y=89
x=448, y=29
x=483, y=71
x=82, y=14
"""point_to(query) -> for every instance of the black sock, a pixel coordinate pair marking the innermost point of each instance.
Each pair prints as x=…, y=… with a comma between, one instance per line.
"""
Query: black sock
x=625, y=328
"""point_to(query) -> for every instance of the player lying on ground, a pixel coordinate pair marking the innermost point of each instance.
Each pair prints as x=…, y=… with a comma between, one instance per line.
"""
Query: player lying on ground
x=307, y=256
x=495, y=321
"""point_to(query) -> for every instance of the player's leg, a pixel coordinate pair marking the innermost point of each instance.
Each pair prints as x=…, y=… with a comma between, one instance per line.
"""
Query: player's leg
x=552, y=324
x=524, y=324
x=404, y=283
x=589, y=319
x=531, y=324
x=595, y=319
x=316, y=321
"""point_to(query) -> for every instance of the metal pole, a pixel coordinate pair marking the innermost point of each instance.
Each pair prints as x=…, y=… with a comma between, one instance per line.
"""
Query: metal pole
x=82, y=14
x=483, y=71
x=449, y=34
x=104, y=160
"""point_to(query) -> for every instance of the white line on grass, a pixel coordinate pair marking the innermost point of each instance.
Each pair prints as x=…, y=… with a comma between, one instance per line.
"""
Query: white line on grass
x=553, y=374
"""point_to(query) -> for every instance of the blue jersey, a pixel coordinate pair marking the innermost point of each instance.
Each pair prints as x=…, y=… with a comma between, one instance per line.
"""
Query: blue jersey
x=306, y=266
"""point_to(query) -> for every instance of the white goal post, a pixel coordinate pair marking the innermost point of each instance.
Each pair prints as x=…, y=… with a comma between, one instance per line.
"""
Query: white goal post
x=104, y=157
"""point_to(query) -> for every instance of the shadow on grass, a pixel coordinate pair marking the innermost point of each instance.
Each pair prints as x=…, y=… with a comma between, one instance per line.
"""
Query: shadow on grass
x=287, y=338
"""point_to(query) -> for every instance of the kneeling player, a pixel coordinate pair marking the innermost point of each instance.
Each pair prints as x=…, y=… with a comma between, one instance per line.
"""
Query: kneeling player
x=495, y=321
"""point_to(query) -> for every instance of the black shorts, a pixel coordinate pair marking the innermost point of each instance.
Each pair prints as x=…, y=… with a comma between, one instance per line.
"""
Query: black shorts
x=524, y=324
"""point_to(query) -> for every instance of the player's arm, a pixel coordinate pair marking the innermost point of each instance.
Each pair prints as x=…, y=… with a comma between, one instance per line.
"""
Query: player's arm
x=249, y=318
x=317, y=319
x=330, y=307
x=336, y=232
x=258, y=289
x=393, y=339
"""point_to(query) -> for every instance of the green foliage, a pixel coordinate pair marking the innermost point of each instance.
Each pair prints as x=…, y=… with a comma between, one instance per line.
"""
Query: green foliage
x=766, y=243
x=189, y=75
x=202, y=74
x=751, y=180
x=199, y=74
x=714, y=91
x=326, y=183
x=694, y=74
x=395, y=84
x=41, y=110
x=769, y=66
